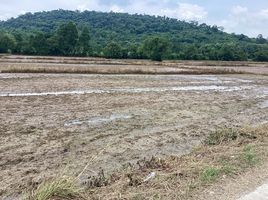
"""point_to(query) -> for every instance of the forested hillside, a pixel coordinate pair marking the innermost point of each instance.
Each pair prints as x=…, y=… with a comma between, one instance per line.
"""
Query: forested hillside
x=120, y=35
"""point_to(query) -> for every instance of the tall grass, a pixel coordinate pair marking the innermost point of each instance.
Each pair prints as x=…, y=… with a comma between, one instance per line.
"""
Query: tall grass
x=64, y=188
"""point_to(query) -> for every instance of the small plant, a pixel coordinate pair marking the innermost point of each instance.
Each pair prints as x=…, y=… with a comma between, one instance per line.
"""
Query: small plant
x=96, y=181
x=65, y=188
x=220, y=136
x=210, y=174
x=153, y=163
x=228, y=169
x=249, y=155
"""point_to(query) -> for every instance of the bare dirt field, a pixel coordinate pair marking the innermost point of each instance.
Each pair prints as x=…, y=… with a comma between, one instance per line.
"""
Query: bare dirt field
x=55, y=123
x=39, y=64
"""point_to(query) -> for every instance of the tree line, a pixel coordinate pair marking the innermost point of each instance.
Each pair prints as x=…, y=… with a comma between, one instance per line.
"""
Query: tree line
x=165, y=38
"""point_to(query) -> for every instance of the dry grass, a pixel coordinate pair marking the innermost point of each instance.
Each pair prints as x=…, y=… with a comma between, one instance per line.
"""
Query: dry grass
x=46, y=64
x=232, y=152
x=61, y=188
x=226, y=152
x=113, y=70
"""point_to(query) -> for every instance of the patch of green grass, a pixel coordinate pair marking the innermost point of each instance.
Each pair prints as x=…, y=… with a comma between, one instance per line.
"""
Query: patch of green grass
x=220, y=136
x=227, y=168
x=249, y=155
x=210, y=174
x=65, y=188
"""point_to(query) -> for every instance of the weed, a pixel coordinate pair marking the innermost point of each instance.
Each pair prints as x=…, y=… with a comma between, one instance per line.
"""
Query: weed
x=220, y=136
x=210, y=174
x=153, y=163
x=249, y=155
x=227, y=168
x=96, y=181
x=65, y=188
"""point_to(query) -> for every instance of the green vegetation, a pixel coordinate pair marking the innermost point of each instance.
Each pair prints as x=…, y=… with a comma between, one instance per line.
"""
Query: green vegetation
x=231, y=153
x=210, y=174
x=155, y=48
x=121, y=35
x=62, y=188
x=221, y=136
x=249, y=155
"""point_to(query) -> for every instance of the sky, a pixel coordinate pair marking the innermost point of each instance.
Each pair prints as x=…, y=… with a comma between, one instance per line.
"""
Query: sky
x=249, y=17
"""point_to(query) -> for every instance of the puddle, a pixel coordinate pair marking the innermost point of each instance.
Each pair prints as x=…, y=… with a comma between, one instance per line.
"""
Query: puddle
x=208, y=78
x=98, y=120
x=264, y=104
x=132, y=90
x=18, y=76
x=261, y=92
x=239, y=80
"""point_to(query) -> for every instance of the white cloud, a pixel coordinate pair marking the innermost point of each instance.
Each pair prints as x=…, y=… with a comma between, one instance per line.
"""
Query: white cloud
x=82, y=7
x=191, y=12
x=186, y=12
x=246, y=21
x=116, y=9
x=237, y=10
x=264, y=13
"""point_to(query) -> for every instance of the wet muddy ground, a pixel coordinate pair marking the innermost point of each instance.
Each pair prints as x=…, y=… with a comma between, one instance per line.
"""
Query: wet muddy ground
x=53, y=123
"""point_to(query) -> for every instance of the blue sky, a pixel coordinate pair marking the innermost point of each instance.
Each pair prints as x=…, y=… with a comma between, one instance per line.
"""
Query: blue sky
x=240, y=16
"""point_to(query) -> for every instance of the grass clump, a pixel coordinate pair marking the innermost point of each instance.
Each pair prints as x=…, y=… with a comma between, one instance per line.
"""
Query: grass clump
x=61, y=188
x=249, y=155
x=228, y=169
x=210, y=174
x=222, y=136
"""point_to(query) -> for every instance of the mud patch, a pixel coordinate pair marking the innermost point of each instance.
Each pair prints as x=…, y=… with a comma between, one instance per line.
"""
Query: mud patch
x=122, y=119
x=264, y=104
x=98, y=120
x=132, y=90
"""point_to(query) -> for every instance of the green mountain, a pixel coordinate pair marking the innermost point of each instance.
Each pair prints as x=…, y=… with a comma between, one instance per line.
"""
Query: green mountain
x=124, y=32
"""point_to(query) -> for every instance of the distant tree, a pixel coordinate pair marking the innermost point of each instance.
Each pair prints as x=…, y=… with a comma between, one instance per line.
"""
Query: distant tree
x=226, y=53
x=230, y=52
x=42, y=33
x=53, y=45
x=7, y=43
x=190, y=52
x=133, y=51
x=113, y=50
x=39, y=44
x=261, y=56
x=67, y=35
x=155, y=48
x=260, y=39
x=83, y=45
x=19, y=42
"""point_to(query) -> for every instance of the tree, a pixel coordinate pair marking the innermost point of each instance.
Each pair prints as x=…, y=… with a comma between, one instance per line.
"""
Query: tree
x=261, y=56
x=39, y=44
x=260, y=39
x=155, y=48
x=7, y=43
x=83, y=45
x=49, y=33
x=230, y=52
x=133, y=51
x=53, y=45
x=225, y=53
x=19, y=42
x=67, y=38
x=113, y=50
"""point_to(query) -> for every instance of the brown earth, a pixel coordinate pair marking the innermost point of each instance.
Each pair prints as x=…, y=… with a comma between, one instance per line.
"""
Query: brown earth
x=121, y=119
x=43, y=64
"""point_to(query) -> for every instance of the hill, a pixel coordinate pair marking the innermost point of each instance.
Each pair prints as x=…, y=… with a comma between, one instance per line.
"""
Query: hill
x=122, y=35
